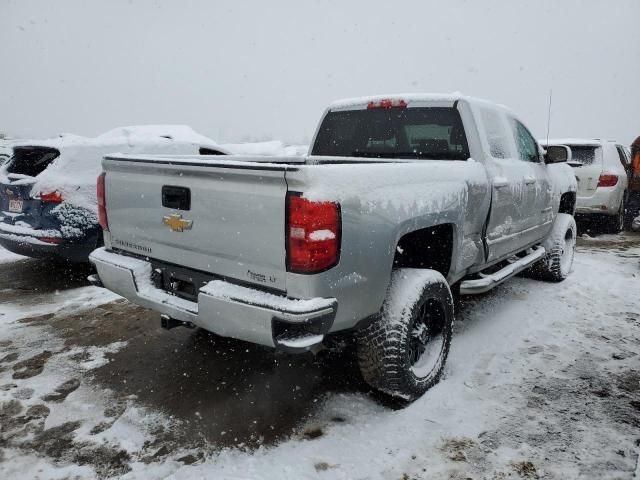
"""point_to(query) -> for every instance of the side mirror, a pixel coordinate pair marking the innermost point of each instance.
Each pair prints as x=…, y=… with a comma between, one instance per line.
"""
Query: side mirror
x=557, y=154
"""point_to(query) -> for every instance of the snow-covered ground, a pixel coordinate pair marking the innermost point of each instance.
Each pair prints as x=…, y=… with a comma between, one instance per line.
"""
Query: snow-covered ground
x=6, y=256
x=543, y=381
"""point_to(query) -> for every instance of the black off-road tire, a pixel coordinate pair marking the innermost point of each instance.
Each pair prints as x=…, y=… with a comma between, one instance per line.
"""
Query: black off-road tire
x=386, y=348
x=560, y=247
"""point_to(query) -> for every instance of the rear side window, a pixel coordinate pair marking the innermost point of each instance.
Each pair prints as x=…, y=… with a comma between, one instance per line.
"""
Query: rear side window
x=31, y=161
x=497, y=134
x=423, y=133
x=583, y=155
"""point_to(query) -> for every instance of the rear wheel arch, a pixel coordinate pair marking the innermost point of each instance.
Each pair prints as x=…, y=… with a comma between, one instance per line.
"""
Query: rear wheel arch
x=568, y=203
x=429, y=248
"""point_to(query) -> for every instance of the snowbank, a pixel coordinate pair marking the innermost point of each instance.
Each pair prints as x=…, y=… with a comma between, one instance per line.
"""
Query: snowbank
x=179, y=133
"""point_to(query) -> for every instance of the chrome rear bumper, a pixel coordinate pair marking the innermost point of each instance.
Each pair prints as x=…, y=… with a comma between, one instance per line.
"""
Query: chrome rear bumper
x=224, y=308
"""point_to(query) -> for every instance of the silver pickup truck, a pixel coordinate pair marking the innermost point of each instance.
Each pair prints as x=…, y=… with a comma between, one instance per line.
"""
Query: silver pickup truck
x=402, y=200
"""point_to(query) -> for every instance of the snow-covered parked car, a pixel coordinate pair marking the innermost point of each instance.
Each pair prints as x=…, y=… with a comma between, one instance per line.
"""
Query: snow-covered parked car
x=402, y=200
x=601, y=168
x=47, y=189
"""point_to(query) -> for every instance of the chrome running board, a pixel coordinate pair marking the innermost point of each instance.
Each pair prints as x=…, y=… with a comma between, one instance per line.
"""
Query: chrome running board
x=488, y=281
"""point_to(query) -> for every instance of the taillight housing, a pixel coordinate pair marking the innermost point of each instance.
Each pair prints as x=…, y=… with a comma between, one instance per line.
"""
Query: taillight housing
x=51, y=240
x=313, y=234
x=607, y=180
x=102, y=203
x=51, y=197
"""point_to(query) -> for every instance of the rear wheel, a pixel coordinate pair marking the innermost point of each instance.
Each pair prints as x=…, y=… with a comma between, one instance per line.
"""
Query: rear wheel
x=403, y=353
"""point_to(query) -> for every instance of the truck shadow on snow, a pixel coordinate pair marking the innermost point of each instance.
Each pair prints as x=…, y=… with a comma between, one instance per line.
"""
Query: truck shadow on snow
x=221, y=391
x=218, y=390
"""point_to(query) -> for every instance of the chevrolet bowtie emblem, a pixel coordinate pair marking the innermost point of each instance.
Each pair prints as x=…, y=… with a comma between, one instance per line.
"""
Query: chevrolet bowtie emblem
x=176, y=223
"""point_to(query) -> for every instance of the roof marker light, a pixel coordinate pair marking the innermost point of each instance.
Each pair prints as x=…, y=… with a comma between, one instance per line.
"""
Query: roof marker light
x=387, y=103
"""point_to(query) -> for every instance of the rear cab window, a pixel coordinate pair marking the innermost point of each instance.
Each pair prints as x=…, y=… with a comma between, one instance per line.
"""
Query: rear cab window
x=416, y=132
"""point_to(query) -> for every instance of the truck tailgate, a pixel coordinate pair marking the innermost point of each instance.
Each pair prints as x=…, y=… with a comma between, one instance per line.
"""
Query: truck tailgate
x=232, y=224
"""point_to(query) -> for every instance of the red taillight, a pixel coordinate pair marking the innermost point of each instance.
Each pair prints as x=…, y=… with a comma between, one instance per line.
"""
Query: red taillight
x=313, y=235
x=102, y=203
x=387, y=103
x=607, y=180
x=52, y=240
x=52, y=197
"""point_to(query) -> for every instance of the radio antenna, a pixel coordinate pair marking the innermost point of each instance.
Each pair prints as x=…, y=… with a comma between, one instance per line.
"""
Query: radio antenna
x=549, y=115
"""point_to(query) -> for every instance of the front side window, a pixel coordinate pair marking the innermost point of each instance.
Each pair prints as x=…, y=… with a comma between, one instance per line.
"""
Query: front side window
x=525, y=143
x=422, y=133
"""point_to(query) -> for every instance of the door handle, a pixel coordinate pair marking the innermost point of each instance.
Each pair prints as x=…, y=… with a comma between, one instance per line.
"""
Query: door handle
x=500, y=183
x=529, y=180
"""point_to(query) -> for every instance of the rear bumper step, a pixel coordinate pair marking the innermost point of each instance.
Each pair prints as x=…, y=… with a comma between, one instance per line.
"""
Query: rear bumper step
x=489, y=281
x=224, y=308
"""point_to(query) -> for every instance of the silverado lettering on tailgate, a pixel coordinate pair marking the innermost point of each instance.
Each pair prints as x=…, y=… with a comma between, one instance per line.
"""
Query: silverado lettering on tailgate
x=133, y=246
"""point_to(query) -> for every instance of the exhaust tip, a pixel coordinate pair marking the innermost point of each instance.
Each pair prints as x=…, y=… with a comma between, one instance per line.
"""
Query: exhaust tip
x=168, y=322
x=95, y=280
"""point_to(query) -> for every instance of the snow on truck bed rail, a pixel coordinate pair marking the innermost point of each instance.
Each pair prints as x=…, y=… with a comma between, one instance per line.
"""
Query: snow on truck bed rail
x=223, y=160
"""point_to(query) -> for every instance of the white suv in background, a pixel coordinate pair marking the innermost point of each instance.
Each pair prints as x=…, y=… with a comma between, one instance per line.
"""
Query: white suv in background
x=600, y=167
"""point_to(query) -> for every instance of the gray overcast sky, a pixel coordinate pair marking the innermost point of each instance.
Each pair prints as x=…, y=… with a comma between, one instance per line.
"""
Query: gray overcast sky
x=239, y=70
